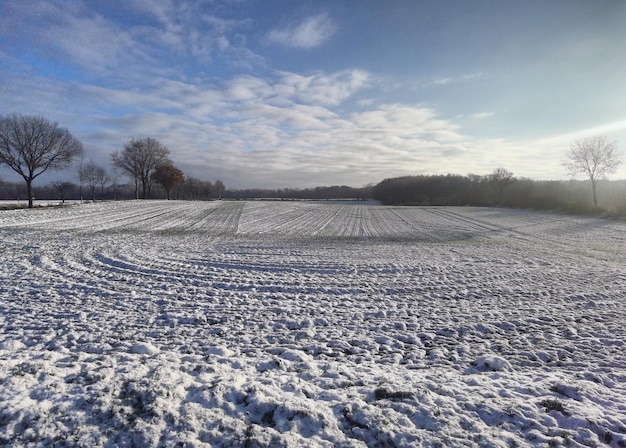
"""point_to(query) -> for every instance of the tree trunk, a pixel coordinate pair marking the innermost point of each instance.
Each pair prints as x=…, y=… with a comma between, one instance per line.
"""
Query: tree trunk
x=593, y=187
x=29, y=192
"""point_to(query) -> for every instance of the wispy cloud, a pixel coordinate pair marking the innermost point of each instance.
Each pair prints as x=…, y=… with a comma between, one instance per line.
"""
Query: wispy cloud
x=84, y=38
x=481, y=115
x=309, y=33
x=442, y=81
x=446, y=80
x=322, y=88
x=157, y=39
x=602, y=129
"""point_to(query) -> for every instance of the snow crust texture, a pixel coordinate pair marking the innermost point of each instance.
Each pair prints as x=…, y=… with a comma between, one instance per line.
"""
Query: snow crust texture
x=294, y=324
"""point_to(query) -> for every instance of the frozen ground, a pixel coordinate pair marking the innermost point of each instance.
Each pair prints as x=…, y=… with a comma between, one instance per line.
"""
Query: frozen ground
x=310, y=324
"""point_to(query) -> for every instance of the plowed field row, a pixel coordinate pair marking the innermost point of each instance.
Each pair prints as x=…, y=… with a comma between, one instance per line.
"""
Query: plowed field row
x=574, y=235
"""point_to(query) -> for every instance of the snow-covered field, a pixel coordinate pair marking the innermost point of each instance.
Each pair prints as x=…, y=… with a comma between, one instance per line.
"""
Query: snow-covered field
x=22, y=203
x=310, y=324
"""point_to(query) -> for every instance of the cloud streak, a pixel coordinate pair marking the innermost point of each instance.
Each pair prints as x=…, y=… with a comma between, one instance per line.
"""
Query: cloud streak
x=308, y=33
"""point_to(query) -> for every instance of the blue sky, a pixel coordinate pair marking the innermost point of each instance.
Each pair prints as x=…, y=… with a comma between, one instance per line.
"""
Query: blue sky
x=288, y=93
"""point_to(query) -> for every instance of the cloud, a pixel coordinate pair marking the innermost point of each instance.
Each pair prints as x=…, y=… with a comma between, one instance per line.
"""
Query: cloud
x=321, y=88
x=310, y=33
x=266, y=135
x=406, y=121
x=285, y=131
x=247, y=88
x=481, y=115
x=446, y=80
x=611, y=128
x=83, y=37
x=155, y=38
x=442, y=81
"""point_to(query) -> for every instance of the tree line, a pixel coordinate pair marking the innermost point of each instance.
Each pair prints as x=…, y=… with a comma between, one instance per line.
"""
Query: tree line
x=315, y=193
x=192, y=189
x=32, y=145
x=573, y=196
x=596, y=157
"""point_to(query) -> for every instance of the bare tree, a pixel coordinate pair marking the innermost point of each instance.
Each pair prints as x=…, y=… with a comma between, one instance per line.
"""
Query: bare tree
x=168, y=176
x=103, y=180
x=113, y=180
x=32, y=145
x=594, y=156
x=81, y=177
x=219, y=188
x=63, y=188
x=195, y=190
x=95, y=176
x=139, y=159
x=500, y=178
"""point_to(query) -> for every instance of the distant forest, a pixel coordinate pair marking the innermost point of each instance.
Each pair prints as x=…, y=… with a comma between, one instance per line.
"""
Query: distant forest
x=191, y=189
x=573, y=196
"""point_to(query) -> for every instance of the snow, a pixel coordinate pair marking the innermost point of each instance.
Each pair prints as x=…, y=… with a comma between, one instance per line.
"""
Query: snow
x=165, y=323
x=144, y=348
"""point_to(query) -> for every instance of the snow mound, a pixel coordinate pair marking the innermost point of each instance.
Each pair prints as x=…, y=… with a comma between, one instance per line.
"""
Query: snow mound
x=220, y=350
x=12, y=345
x=144, y=348
x=492, y=363
x=295, y=356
